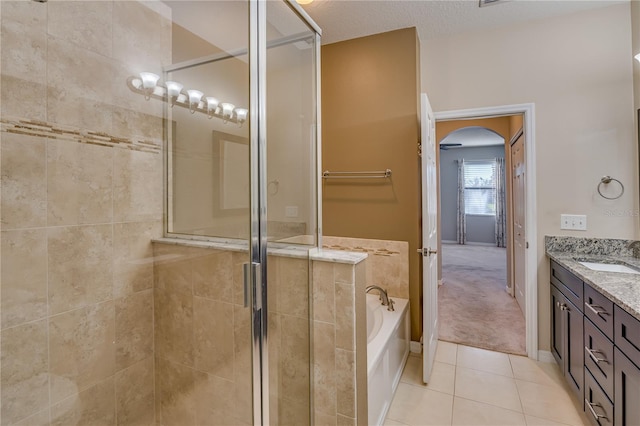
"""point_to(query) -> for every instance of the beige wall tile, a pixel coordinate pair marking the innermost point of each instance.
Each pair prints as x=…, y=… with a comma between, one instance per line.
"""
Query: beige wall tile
x=27, y=13
x=345, y=316
x=24, y=41
x=213, y=276
x=86, y=25
x=81, y=349
x=24, y=185
x=134, y=328
x=41, y=418
x=173, y=313
x=174, y=276
x=175, y=394
x=24, y=374
x=344, y=273
x=80, y=266
x=323, y=419
x=135, y=394
x=137, y=186
x=213, y=402
x=273, y=278
x=323, y=291
x=24, y=276
x=294, y=354
x=324, y=368
x=94, y=406
x=239, y=259
x=22, y=98
x=242, y=368
x=142, y=37
x=345, y=420
x=213, y=337
x=79, y=183
x=133, y=256
x=136, y=124
x=293, y=287
x=346, y=382
x=294, y=413
x=275, y=364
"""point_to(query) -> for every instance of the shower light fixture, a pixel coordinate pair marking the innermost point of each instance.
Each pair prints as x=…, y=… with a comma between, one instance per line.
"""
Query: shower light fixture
x=173, y=91
x=227, y=111
x=212, y=105
x=147, y=84
x=149, y=81
x=241, y=115
x=194, y=99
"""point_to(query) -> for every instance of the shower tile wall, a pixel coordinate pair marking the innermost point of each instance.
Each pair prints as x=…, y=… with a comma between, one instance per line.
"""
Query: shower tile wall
x=203, y=338
x=81, y=168
x=339, y=343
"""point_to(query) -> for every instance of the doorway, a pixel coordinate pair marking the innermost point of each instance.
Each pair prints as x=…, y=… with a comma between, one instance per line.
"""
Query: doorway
x=521, y=270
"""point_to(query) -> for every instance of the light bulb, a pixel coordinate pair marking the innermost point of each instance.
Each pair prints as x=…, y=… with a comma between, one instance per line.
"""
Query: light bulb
x=173, y=90
x=227, y=109
x=149, y=81
x=241, y=114
x=212, y=104
x=194, y=99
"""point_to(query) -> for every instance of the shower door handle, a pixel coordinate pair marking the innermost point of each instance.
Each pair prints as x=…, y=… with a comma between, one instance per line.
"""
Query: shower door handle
x=252, y=281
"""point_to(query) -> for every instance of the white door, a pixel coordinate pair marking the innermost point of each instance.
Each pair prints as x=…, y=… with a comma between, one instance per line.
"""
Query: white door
x=429, y=239
x=519, y=237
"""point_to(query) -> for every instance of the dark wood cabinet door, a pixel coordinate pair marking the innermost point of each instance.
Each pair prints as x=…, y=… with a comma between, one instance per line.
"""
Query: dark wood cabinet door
x=627, y=390
x=558, y=301
x=574, y=349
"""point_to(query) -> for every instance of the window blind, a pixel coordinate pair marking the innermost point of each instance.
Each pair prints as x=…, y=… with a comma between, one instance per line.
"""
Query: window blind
x=480, y=187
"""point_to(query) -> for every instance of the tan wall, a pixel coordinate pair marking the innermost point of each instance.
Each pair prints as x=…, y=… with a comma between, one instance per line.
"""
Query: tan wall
x=370, y=122
x=81, y=199
x=581, y=84
x=635, y=42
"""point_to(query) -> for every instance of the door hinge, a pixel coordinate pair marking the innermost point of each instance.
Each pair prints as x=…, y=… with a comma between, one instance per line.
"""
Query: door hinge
x=526, y=244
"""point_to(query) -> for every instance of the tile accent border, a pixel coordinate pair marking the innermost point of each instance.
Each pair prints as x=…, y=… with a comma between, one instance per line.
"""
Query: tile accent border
x=54, y=131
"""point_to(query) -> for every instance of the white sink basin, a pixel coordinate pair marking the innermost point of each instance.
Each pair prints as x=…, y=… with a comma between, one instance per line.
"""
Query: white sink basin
x=607, y=267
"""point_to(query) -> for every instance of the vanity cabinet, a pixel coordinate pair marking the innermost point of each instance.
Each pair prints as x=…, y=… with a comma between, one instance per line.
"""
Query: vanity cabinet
x=567, y=326
x=597, y=345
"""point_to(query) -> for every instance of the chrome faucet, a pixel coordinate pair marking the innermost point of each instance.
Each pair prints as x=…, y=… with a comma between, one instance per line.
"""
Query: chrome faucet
x=635, y=246
x=383, y=296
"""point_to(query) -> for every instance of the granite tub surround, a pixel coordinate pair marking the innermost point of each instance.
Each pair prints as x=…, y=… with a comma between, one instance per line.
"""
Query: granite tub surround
x=623, y=289
x=81, y=177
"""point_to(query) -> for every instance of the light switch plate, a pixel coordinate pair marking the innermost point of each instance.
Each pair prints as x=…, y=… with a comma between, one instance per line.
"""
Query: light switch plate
x=576, y=222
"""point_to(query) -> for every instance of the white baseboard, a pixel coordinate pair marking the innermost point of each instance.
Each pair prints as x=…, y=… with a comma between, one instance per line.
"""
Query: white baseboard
x=415, y=347
x=546, y=356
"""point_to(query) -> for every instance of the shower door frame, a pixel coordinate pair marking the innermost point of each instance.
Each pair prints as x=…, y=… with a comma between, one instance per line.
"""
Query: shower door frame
x=256, y=270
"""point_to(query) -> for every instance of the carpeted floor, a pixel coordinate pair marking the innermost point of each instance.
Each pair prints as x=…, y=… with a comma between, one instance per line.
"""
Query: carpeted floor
x=473, y=307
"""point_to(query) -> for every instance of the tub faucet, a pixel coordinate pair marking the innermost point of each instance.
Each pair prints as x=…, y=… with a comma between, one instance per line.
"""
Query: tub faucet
x=383, y=296
x=635, y=246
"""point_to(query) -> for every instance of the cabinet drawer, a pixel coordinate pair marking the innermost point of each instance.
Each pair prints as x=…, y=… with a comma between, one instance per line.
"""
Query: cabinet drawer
x=567, y=283
x=597, y=407
x=598, y=357
x=626, y=333
x=599, y=310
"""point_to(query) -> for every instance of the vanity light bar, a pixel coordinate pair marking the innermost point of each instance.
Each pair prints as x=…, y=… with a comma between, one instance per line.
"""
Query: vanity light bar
x=194, y=100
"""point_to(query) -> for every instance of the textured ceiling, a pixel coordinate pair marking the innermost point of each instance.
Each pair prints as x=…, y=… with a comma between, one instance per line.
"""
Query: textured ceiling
x=347, y=19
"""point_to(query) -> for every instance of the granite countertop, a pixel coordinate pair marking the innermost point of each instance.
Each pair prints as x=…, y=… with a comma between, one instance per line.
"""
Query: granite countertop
x=622, y=288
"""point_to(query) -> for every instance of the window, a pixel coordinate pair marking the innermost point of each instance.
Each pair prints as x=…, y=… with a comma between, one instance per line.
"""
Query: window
x=480, y=187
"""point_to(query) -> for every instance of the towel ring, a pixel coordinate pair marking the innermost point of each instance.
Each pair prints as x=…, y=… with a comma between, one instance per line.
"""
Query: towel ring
x=607, y=180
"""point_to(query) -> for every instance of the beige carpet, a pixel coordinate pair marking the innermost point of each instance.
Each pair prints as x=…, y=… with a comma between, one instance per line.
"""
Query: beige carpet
x=473, y=307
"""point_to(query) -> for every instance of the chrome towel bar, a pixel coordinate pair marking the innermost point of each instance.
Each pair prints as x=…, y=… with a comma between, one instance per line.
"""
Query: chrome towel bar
x=381, y=174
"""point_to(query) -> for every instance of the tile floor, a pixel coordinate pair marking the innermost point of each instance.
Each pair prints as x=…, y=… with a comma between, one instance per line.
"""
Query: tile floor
x=471, y=386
